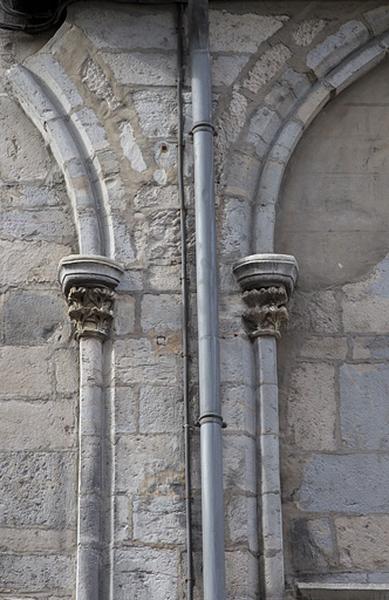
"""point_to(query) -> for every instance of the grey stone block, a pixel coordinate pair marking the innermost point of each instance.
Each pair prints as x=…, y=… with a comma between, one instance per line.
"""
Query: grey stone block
x=348, y=483
x=37, y=488
x=32, y=317
x=364, y=412
x=159, y=519
x=36, y=573
x=312, y=547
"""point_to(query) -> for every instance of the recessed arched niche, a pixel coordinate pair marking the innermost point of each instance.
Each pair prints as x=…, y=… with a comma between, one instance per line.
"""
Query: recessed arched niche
x=333, y=214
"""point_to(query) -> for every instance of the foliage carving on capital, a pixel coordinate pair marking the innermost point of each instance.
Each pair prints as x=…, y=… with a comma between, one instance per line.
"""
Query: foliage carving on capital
x=91, y=310
x=266, y=312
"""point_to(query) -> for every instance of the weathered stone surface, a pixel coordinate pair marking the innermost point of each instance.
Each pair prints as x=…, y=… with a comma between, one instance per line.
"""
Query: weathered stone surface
x=316, y=312
x=157, y=112
x=239, y=453
x=226, y=68
x=124, y=319
x=136, y=68
x=150, y=469
x=32, y=317
x=241, y=521
x=36, y=540
x=266, y=67
x=24, y=372
x=350, y=483
x=306, y=31
x=157, y=237
x=37, y=489
x=21, y=425
x=312, y=547
x=364, y=415
x=371, y=347
x=145, y=573
x=241, y=32
x=161, y=313
x=160, y=409
x=126, y=409
x=236, y=360
x=324, y=348
x=140, y=360
x=115, y=28
x=362, y=542
x=36, y=573
x=29, y=262
x=337, y=46
x=158, y=519
x=130, y=147
x=98, y=84
x=23, y=155
x=236, y=227
x=238, y=408
x=312, y=407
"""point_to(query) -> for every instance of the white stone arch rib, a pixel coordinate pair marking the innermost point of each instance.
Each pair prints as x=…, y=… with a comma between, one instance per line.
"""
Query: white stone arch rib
x=53, y=104
x=291, y=131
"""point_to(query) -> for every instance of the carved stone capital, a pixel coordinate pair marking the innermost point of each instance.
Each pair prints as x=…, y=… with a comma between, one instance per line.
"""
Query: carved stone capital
x=267, y=282
x=88, y=283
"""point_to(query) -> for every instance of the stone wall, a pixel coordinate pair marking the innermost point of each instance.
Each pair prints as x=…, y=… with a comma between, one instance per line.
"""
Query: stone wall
x=111, y=70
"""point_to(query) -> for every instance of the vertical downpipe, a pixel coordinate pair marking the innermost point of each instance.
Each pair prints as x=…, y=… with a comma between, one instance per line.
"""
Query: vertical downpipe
x=210, y=419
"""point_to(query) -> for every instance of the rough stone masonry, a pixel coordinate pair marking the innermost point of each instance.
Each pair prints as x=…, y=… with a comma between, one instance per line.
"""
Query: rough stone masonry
x=301, y=99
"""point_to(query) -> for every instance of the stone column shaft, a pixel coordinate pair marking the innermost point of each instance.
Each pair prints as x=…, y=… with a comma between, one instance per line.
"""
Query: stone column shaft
x=88, y=283
x=267, y=282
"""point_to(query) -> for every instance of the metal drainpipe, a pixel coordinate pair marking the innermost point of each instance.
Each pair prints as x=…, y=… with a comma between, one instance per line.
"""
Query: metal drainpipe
x=210, y=419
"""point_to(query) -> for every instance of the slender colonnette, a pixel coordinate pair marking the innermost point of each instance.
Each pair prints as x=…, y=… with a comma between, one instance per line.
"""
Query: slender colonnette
x=267, y=282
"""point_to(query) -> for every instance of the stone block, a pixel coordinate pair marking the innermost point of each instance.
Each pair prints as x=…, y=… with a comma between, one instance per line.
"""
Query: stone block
x=241, y=575
x=130, y=147
x=312, y=545
x=239, y=32
x=126, y=409
x=324, y=348
x=236, y=361
x=157, y=237
x=115, y=28
x=135, y=68
x=36, y=426
x=313, y=104
x=241, y=521
x=158, y=519
x=317, y=312
x=236, y=228
x=32, y=317
x=356, y=67
x=160, y=409
x=307, y=30
x=23, y=155
x=226, y=68
x=238, y=408
x=48, y=225
x=165, y=278
x=30, y=262
x=364, y=414
x=348, y=483
x=145, y=573
x=362, y=542
x=161, y=313
x=239, y=463
x=371, y=347
x=98, y=84
x=36, y=573
x=262, y=129
x=140, y=360
x=37, y=489
x=25, y=372
x=330, y=52
x=35, y=540
x=157, y=112
x=124, y=319
x=312, y=407
x=266, y=67
x=156, y=197
x=149, y=464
